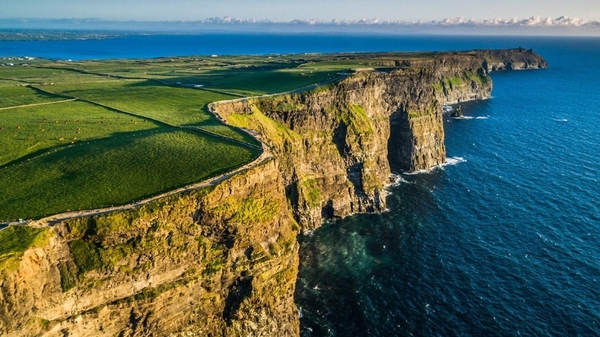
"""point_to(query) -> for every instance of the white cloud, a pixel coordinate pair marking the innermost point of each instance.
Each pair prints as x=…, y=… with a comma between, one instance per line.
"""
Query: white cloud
x=534, y=21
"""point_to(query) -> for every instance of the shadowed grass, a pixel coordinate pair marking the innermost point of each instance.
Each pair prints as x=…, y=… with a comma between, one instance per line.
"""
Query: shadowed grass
x=113, y=171
x=14, y=95
x=175, y=106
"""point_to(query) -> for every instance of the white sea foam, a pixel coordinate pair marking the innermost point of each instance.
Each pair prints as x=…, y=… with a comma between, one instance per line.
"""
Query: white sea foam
x=472, y=117
x=448, y=162
x=453, y=161
x=396, y=179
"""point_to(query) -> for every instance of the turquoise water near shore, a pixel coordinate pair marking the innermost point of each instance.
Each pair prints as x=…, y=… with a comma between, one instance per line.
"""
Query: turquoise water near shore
x=503, y=243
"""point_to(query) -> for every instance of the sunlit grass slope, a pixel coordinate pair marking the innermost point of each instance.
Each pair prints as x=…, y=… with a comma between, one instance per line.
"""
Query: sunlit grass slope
x=113, y=171
x=36, y=129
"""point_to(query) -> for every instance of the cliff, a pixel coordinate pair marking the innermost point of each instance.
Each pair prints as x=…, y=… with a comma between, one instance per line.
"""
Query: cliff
x=223, y=260
x=511, y=59
x=206, y=263
x=338, y=144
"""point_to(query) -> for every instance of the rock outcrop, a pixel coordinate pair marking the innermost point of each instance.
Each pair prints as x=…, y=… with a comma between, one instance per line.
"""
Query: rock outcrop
x=338, y=144
x=223, y=260
x=511, y=59
x=206, y=263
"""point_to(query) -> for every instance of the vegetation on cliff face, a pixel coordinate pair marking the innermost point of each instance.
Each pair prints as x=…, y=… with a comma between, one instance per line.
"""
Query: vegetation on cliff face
x=355, y=118
x=271, y=130
x=212, y=261
x=346, y=130
x=362, y=127
x=15, y=240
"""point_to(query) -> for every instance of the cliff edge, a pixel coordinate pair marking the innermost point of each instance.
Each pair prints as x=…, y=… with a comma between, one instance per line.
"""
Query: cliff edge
x=222, y=261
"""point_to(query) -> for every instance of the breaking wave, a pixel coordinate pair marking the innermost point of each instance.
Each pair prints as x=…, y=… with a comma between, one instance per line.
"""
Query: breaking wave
x=449, y=162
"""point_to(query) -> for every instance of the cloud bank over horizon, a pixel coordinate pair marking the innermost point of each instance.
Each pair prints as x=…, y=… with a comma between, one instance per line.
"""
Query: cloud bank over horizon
x=534, y=25
x=533, y=21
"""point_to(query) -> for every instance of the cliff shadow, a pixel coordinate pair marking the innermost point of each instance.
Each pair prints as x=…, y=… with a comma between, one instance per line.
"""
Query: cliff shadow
x=400, y=143
x=354, y=171
x=238, y=291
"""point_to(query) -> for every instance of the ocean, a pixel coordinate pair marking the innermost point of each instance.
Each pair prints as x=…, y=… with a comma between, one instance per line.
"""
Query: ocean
x=503, y=242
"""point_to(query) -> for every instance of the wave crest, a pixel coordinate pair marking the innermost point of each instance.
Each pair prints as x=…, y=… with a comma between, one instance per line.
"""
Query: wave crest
x=449, y=162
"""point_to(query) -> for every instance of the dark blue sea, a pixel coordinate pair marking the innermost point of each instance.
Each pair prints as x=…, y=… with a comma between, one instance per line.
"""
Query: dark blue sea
x=504, y=242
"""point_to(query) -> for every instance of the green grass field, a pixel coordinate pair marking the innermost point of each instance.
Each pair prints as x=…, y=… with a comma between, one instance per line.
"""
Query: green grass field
x=31, y=130
x=119, y=141
x=102, y=133
x=14, y=95
x=247, y=76
x=114, y=171
x=175, y=106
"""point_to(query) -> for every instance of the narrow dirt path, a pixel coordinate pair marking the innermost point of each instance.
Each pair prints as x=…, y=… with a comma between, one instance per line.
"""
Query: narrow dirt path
x=37, y=104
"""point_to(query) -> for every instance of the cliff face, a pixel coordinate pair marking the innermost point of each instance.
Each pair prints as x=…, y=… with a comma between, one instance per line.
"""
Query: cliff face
x=337, y=145
x=206, y=263
x=511, y=59
x=223, y=261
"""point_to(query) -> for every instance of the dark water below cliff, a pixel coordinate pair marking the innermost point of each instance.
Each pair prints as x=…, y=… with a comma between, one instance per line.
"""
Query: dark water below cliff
x=504, y=243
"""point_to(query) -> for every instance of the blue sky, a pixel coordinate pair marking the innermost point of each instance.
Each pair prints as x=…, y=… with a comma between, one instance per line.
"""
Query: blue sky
x=286, y=10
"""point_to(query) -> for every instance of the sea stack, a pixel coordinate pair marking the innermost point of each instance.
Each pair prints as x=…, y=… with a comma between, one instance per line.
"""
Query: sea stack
x=457, y=113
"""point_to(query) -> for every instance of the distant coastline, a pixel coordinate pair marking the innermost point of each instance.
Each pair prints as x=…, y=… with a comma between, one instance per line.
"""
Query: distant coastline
x=132, y=46
x=55, y=35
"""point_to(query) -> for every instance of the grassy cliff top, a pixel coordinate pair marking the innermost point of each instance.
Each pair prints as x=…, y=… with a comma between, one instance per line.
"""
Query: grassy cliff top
x=81, y=135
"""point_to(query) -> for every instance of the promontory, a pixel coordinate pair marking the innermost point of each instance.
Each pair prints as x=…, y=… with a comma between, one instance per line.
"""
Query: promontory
x=222, y=260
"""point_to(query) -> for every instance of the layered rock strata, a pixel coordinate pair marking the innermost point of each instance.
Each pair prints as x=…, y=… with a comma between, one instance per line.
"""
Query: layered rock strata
x=223, y=261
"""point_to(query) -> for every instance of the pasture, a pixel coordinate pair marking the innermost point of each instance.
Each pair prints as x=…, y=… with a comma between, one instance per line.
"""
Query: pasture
x=106, y=172
x=73, y=140
x=90, y=134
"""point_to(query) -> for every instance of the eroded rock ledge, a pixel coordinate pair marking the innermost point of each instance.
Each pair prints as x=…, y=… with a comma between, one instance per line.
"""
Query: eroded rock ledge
x=223, y=261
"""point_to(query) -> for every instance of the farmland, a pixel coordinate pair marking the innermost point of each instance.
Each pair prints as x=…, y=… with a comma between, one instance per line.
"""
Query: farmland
x=90, y=134
x=114, y=171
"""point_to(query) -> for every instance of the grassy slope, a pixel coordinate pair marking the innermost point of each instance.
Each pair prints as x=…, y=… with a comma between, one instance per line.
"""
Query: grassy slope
x=114, y=171
x=130, y=85
x=37, y=129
